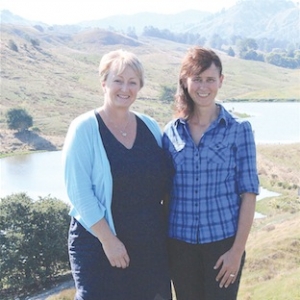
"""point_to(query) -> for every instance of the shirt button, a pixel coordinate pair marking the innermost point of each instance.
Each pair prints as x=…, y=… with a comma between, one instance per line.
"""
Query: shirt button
x=196, y=191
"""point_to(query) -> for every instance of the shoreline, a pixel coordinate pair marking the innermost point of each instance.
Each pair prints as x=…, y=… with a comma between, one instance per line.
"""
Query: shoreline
x=15, y=143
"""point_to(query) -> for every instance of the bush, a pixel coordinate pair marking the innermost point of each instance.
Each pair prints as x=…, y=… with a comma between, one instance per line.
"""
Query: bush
x=18, y=119
x=167, y=93
x=12, y=46
x=33, y=238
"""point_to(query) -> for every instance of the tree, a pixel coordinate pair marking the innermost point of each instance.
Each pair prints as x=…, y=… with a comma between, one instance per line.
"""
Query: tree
x=39, y=28
x=252, y=55
x=131, y=32
x=33, y=238
x=12, y=45
x=167, y=93
x=35, y=42
x=282, y=60
x=230, y=52
x=18, y=119
x=216, y=41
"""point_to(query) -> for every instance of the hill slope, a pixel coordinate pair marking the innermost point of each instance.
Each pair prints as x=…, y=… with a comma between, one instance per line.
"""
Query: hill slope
x=54, y=76
x=275, y=20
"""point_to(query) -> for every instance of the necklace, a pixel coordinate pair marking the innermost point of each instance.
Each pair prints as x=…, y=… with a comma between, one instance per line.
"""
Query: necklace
x=123, y=130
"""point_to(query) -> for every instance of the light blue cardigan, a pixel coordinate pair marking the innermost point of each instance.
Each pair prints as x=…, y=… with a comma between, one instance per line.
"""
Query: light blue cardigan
x=87, y=171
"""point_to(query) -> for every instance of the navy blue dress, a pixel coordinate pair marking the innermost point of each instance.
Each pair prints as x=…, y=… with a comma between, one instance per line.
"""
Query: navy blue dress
x=141, y=176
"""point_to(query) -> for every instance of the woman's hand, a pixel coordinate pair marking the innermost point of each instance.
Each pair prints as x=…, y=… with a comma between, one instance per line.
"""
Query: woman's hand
x=230, y=261
x=114, y=249
x=229, y=264
x=116, y=252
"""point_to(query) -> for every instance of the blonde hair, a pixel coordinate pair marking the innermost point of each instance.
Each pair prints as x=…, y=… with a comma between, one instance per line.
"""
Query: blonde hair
x=119, y=60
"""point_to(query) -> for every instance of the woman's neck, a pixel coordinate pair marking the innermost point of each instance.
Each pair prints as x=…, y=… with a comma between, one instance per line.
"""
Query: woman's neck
x=204, y=116
x=118, y=116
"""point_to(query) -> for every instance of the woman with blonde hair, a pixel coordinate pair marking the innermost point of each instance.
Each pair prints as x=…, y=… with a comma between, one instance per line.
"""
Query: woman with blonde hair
x=116, y=176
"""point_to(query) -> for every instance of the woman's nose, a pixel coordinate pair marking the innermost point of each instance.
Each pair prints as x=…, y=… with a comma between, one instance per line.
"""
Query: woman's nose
x=202, y=85
x=124, y=86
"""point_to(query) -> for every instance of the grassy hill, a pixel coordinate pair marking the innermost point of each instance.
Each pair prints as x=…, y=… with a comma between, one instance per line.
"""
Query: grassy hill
x=272, y=269
x=54, y=75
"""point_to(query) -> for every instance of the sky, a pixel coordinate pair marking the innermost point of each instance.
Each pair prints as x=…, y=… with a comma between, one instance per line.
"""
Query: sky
x=61, y=12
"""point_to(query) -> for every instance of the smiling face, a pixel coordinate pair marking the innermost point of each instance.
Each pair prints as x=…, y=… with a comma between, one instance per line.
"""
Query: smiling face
x=120, y=90
x=200, y=78
x=203, y=88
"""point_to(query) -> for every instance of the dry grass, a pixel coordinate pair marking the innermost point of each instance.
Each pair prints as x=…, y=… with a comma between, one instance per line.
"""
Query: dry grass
x=279, y=164
x=58, y=80
x=272, y=269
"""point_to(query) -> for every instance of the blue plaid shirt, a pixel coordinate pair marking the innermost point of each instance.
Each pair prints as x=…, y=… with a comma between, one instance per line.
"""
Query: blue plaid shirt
x=209, y=178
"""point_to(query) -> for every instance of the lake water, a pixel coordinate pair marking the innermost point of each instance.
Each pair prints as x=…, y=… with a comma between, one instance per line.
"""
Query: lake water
x=271, y=122
x=41, y=174
x=37, y=174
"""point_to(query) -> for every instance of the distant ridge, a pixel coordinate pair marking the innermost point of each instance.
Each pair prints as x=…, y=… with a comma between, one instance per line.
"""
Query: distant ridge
x=257, y=19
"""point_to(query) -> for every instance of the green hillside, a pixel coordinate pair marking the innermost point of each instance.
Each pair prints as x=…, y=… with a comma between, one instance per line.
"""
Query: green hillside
x=54, y=75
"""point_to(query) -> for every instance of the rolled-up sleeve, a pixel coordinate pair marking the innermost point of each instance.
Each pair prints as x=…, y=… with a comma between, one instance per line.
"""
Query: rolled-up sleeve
x=247, y=175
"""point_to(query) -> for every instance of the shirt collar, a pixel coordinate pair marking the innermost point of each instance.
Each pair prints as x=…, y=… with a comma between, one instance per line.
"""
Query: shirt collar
x=223, y=117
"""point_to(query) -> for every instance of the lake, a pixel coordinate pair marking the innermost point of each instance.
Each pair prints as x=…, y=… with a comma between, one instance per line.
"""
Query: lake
x=271, y=122
x=41, y=174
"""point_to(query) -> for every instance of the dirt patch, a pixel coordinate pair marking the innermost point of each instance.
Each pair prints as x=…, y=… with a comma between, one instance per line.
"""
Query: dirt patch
x=55, y=290
x=13, y=142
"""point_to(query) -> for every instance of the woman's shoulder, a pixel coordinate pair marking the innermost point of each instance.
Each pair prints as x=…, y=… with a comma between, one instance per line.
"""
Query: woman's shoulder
x=172, y=124
x=145, y=117
x=84, y=119
x=84, y=124
x=152, y=125
x=233, y=119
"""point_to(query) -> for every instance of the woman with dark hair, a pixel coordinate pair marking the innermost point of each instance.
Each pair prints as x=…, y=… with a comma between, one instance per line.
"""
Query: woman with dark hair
x=212, y=203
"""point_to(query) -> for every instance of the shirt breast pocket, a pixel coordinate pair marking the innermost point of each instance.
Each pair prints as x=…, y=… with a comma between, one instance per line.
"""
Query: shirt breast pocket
x=219, y=153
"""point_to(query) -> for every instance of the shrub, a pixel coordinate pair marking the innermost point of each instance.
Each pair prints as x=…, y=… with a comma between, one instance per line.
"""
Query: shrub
x=18, y=119
x=12, y=45
x=33, y=238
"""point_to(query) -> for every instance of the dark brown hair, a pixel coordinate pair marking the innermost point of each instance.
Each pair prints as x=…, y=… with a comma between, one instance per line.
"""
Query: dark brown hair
x=197, y=60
